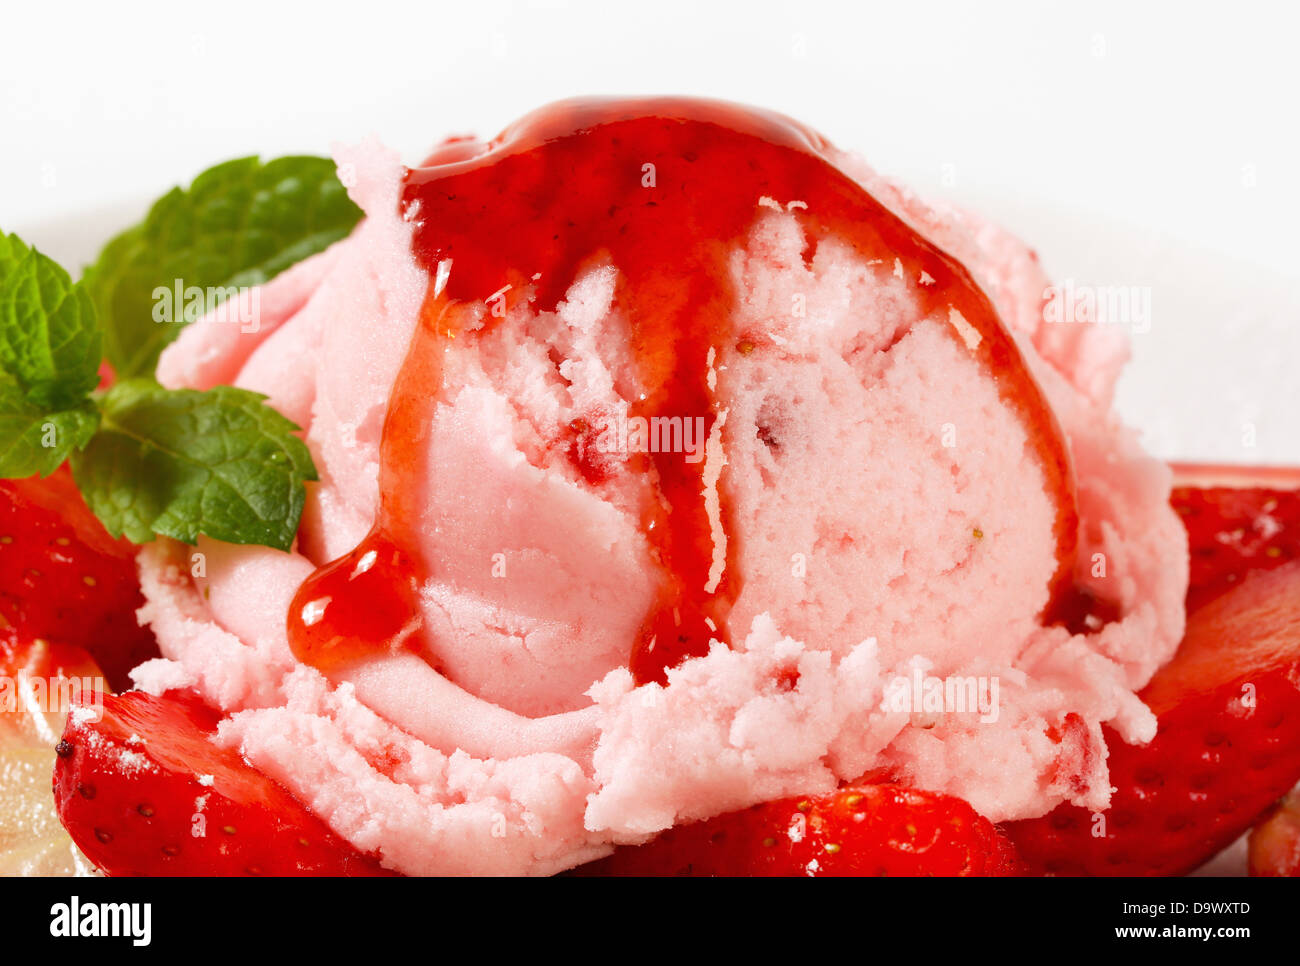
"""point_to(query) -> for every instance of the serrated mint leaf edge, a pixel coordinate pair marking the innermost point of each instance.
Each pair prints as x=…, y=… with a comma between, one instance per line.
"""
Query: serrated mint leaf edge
x=22, y=453
x=130, y=247
x=90, y=471
x=50, y=340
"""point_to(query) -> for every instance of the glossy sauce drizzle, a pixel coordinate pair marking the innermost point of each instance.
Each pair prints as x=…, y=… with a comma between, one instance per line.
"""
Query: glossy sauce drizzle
x=664, y=190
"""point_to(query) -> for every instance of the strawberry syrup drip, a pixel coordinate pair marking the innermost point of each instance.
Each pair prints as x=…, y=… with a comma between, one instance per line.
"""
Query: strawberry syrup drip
x=664, y=190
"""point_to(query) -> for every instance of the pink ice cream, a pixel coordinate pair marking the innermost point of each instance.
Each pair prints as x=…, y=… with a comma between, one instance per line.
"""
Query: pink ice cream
x=895, y=530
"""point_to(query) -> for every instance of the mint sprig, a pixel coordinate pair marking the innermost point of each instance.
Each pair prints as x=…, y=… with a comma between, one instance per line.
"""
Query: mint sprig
x=49, y=361
x=181, y=462
x=240, y=223
x=36, y=440
x=50, y=344
x=150, y=460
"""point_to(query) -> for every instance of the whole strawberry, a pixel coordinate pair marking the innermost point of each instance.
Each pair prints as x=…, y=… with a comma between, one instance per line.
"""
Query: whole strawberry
x=870, y=830
x=145, y=791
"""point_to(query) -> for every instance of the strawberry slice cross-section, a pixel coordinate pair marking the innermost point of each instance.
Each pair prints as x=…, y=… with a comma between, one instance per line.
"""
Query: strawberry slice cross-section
x=38, y=680
x=1238, y=521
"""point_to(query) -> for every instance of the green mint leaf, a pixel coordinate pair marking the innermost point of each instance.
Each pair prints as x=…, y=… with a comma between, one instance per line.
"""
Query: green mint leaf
x=49, y=362
x=180, y=462
x=50, y=342
x=239, y=224
x=34, y=440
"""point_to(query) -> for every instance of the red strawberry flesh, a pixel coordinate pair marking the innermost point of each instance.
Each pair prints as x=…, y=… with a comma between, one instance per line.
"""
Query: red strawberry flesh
x=1234, y=529
x=63, y=578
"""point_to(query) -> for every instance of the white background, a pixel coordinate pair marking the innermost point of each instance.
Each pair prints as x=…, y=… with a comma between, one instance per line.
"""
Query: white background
x=1152, y=145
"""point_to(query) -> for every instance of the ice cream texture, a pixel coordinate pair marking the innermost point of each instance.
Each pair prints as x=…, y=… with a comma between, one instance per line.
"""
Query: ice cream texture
x=530, y=616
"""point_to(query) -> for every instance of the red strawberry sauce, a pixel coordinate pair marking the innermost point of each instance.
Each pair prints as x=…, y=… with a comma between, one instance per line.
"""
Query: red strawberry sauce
x=663, y=189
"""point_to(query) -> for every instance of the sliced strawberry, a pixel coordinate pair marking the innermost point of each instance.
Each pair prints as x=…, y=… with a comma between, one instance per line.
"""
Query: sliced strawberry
x=869, y=830
x=1275, y=842
x=38, y=682
x=1238, y=521
x=63, y=578
x=1228, y=745
x=145, y=791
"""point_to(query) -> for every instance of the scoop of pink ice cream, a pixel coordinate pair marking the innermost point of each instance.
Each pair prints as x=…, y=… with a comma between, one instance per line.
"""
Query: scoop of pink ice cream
x=897, y=531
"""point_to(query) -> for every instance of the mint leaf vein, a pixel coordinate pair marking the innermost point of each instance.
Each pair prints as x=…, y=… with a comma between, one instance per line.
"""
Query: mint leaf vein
x=184, y=462
x=240, y=223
